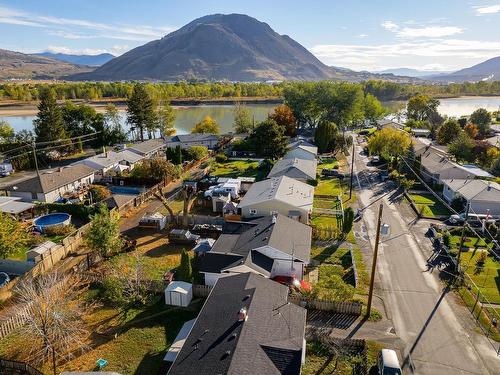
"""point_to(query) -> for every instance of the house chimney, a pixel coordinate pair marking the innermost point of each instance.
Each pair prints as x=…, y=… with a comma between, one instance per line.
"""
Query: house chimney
x=242, y=315
x=273, y=218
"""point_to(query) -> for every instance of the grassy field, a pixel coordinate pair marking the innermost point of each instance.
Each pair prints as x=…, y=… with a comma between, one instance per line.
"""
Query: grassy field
x=133, y=343
x=237, y=168
x=487, y=279
x=428, y=205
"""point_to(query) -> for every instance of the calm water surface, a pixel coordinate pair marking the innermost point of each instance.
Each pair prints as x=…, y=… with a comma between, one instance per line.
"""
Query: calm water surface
x=187, y=117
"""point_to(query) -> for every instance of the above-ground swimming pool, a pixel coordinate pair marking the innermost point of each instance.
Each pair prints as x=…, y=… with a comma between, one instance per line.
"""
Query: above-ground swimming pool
x=127, y=190
x=52, y=220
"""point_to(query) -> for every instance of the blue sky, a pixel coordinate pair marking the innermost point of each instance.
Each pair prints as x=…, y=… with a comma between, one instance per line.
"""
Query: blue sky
x=361, y=35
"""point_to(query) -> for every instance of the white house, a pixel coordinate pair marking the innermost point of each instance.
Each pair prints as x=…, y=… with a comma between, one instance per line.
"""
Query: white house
x=188, y=140
x=52, y=184
x=283, y=195
x=111, y=162
x=483, y=196
x=271, y=246
x=302, y=151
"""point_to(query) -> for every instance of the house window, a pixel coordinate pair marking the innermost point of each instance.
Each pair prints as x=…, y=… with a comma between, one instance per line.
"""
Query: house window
x=252, y=211
x=34, y=196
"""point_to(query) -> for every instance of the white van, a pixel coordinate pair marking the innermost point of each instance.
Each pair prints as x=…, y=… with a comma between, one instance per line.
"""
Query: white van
x=388, y=363
x=472, y=218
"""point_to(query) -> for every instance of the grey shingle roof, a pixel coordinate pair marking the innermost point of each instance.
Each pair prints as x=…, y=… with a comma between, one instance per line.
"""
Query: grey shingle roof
x=295, y=168
x=477, y=190
x=54, y=179
x=150, y=145
x=283, y=234
x=269, y=341
x=285, y=189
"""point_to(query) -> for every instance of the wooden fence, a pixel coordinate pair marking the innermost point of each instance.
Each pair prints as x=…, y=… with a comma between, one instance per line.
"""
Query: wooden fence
x=201, y=290
x=352, y=308
x=16, y=367
x=15, y=321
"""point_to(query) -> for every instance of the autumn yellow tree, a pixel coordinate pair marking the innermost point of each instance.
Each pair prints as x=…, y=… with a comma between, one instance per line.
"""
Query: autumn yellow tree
x=283, y=116
x=206, y=126
x=471, y=130
x=389, y=143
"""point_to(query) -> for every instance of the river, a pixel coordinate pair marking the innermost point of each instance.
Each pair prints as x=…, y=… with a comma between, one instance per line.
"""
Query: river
x=224, y=114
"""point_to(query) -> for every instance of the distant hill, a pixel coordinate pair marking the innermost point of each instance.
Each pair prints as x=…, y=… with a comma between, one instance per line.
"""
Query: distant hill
x=16, y=65
x=488, y=70
x=408, y=72
x=232, y=47
x=89, y=60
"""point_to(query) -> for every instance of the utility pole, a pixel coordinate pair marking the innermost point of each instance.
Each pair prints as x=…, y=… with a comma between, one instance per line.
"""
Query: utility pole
x=374, y=262
x=462, y=240
x=352, y=171
x=36, y=160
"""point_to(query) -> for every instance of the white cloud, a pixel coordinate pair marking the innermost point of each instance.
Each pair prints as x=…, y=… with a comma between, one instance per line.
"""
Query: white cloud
x=362, y=35
x=491, y=9
x=451, y=54
x=389, y=25
x=428, y=31
x=69, y=28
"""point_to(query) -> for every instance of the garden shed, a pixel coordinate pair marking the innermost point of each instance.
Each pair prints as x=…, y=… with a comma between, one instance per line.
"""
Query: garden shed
x=179, y=293
x=39, y=252
x=153, y=220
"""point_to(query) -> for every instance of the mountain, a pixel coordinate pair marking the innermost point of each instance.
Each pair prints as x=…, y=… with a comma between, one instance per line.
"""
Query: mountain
x=89, y=60
x=231, y=47
x=16, y=65
x=408, y=72
x=488, y=70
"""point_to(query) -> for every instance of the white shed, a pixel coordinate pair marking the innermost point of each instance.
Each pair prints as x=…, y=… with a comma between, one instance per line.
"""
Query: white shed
x=153, y=220
x=179, y=293
x=40, y=252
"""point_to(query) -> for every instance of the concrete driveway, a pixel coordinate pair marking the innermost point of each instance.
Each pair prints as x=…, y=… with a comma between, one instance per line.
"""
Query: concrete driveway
x=423, y=311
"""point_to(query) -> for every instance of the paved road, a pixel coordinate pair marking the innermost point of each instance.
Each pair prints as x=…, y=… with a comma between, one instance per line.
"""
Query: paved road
x=434, y=340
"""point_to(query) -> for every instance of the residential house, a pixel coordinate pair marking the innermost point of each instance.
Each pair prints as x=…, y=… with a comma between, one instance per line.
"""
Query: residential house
x=52, y=184
x=149, y=148
x=299, y=141
x=111, y=162
x=302, y=151
x=283, y=195
x=14, y=206
x=389, y=123
x=271, y=246
x=482, y=196
x=299, y=169
x=436, y=166
x=187, y=140
x=246, y=326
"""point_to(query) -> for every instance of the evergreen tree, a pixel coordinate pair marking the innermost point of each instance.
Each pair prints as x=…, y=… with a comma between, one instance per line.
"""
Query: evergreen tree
x=348, y=220
x=141, y=111
x=185, y=271
x=49, y=124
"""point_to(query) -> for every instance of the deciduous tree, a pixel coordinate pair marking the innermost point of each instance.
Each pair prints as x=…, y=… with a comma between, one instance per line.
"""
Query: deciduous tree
x=462, y=148
x=482, y=119
x=206, y=126
x=6, y=132
x=268, y=140
x=156, y=168
x=471, y=130
x=448, y=132
x=242, y=119
x=13, y=235
x=103, y=236
x=389, y=143
x=284, y=117
x=166, y=120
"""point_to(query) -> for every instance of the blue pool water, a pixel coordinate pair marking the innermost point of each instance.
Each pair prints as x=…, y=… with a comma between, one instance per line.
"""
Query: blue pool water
x=127, y=190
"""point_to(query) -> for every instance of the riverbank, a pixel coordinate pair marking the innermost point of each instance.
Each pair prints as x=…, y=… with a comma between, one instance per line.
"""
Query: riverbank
x=20, y=108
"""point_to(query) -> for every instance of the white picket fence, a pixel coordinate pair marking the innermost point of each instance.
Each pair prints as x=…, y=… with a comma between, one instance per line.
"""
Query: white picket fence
x=10, y=324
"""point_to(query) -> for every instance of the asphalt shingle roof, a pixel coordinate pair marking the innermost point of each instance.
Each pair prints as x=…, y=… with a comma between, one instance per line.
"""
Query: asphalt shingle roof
x=269, y=341
x=281, y=233
x=148, y=146
x=477, y=190
x=294, y=167
x=285, y=189
x=53, y=179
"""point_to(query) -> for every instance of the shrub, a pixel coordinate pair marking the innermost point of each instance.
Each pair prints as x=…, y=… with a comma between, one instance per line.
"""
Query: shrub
x=197, y=152
x=99, y=193
x=60, y=230
x=220, y=158
x=184, y=271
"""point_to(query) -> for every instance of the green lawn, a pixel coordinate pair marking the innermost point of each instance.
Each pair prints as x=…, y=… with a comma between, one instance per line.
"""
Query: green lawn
x=236, y=168
x=488, y=279
x=470, y=242
x=428, y=205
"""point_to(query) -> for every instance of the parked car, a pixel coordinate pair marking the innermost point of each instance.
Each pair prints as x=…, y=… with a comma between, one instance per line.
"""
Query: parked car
x=388, y=363
x=332, y=173
x=472, y=219
x=183, y=237
x=4, y=279
x=358, y=215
